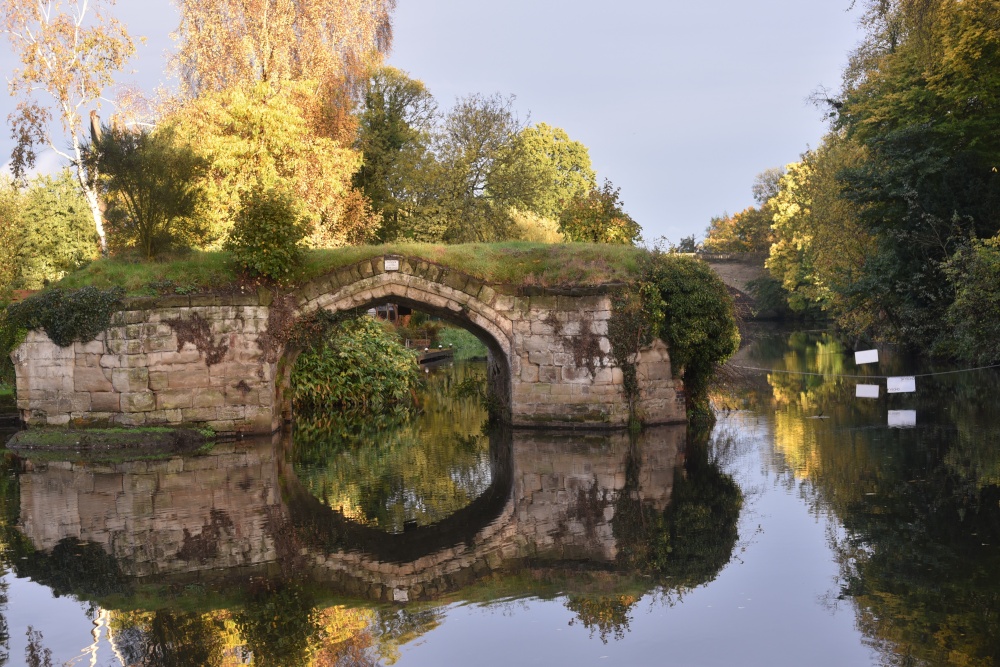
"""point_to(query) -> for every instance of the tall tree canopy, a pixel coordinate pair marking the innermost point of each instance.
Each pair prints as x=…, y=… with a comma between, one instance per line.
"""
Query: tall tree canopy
x=394, y=125
x=260, y=138
x=69, y=53
x=238, y=42
x=560, y=168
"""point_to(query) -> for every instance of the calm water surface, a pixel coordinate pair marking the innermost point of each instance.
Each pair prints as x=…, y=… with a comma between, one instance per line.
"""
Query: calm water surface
x=802, y=529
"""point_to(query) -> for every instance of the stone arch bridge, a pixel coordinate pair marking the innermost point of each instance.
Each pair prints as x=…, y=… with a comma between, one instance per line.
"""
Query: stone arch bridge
x=218, y=361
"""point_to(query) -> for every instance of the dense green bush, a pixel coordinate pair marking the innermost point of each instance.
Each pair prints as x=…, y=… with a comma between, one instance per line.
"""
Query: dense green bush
x=46, y=232
x=266, y=238
x=694, y=315
x=358, y=365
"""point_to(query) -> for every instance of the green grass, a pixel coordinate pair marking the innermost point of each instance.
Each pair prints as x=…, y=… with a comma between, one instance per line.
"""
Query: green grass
x=510, y=263
x=195, y=270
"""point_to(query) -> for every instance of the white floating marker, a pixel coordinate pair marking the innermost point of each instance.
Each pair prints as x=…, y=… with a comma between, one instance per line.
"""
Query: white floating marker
x=867, y=391
x=906, y=384
x=902, y=418
x=866, y=357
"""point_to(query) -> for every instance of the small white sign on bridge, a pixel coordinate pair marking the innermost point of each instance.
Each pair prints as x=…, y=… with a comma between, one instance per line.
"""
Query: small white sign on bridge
x=392, y=264
x=902, y=385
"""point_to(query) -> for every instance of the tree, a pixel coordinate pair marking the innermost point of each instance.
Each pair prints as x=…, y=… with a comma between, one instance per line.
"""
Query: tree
x=150, y=183
x=483, y=171
x=57, y=233
x=261, y=138
x=599, y=217
x=265, y=241
x=226, y=43
x=11, y=236
x=396, y=118
x=922, y=97
x=750, y=229
x=560, y=168
x=819, y=247
x=746, y=231
x=71, y=59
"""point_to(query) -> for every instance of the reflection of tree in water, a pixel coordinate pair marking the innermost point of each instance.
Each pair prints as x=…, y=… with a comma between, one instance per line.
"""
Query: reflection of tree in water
x=387, y=472
x=606, y=615
x=682, y=546
x=173, y=639
x=920, y=557
x=278, y=624
x=10, y=501
x=920, y=508
x=687, y=544
x=36, y=654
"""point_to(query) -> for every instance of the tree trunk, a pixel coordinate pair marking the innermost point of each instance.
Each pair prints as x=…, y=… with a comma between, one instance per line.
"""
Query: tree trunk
x=90, y=192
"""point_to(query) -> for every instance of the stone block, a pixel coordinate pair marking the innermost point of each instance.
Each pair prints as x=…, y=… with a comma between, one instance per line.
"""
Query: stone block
x=158, y=380
x=189, y=379
x=130, y=380
x=222, y=425
x=196, y=415
x=111, y=361
x=234, y=412
x=540, y=358
x=549, y=374
x=174, y=399
x=105, y=402
x=91, y=379
x=144, y=401
x=164, y=417
x=89, y=360
x=90, y=347
x=80, y=401
x=529, y=372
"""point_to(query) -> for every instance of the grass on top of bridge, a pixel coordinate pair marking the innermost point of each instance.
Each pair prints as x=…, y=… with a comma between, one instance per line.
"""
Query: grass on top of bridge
x=509, y=263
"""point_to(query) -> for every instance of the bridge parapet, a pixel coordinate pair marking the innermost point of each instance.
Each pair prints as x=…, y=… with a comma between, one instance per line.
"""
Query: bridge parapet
x=215, y=360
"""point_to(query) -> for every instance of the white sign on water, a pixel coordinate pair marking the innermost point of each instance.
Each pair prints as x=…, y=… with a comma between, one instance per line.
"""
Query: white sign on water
x=902, y=418
x=867, y=391
x=866, y=357
x=902, y=385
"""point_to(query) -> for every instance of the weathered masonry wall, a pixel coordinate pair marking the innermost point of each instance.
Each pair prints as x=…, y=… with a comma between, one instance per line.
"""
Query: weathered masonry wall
x=218, y=361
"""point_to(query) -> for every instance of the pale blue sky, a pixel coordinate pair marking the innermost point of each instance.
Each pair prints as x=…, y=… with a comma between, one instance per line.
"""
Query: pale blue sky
x=680, y=103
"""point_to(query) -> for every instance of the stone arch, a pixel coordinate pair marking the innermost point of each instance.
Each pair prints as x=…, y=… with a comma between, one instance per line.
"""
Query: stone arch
x=456, y=301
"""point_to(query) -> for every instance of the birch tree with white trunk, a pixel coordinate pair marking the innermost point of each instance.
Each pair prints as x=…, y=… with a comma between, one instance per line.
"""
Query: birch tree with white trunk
x=69, y=52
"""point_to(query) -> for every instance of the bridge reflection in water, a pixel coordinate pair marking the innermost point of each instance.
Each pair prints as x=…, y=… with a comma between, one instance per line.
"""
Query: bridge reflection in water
x=241, y=511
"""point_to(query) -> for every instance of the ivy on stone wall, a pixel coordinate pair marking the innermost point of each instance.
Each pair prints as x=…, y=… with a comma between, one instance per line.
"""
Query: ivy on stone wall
x=65, y=316
x=681, y=301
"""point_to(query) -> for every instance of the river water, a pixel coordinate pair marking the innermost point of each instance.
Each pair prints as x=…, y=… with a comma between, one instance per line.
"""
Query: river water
x=808, y=526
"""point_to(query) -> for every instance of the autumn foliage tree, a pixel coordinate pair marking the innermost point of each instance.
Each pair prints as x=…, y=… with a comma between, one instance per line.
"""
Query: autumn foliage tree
x=261, y=138
x=599, y=217
x=334, y=43
x=268, y=88
x=69, y=53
